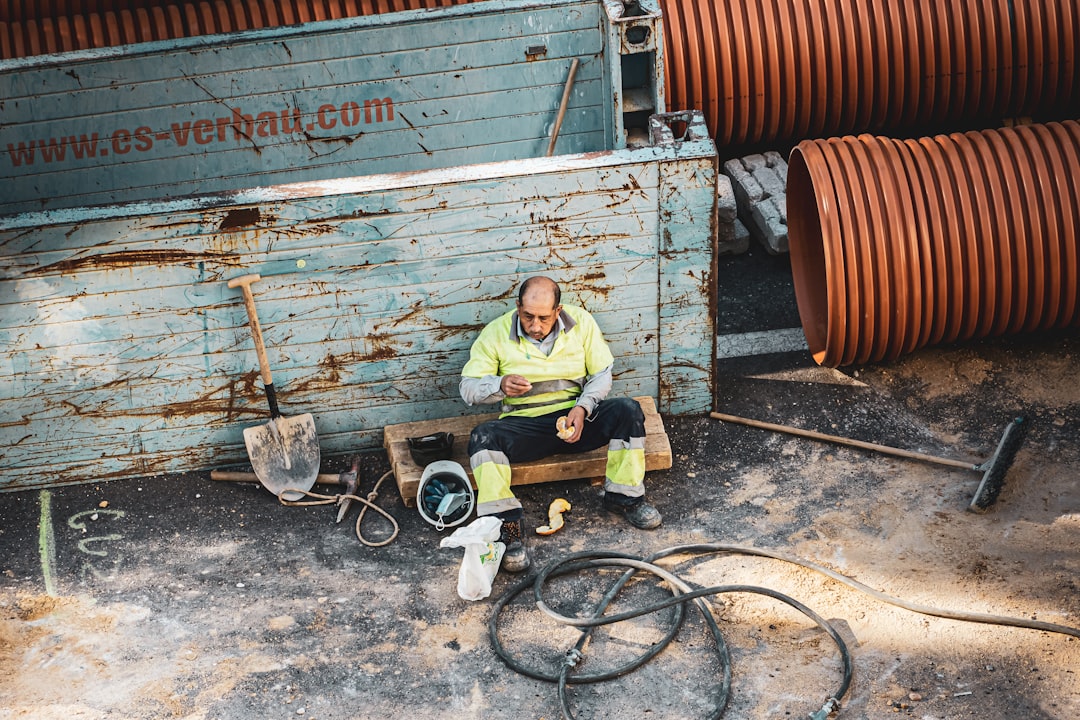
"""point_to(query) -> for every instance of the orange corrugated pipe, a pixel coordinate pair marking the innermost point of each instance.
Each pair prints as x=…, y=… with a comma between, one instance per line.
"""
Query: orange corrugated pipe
x=761, y=71
x=769, y=71
x=32, y=27
x=901, y=244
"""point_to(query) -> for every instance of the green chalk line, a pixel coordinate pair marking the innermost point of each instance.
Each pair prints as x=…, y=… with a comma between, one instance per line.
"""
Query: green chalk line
x=46, y=543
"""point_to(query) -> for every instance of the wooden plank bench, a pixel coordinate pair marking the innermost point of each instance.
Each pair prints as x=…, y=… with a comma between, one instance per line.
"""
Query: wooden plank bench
x=558, y=467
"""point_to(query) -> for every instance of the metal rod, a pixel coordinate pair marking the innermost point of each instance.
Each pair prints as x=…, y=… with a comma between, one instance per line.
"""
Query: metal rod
x=845, y=441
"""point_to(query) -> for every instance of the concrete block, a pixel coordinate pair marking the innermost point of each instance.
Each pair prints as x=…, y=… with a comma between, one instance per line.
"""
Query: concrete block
x=771, y=221
x=759, y=183
x=746, y=187
x=732, y=238
x=726, y=205
x=753, y=162
x=731, y=234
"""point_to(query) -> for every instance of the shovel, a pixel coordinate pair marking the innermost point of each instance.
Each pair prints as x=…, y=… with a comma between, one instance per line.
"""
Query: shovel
x=284, y=452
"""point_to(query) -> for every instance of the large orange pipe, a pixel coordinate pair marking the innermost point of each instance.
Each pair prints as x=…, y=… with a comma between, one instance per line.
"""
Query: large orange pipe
x=23, y=10
x=761, y=71
x=900, y=244
x=33, y=27
x=770, y=71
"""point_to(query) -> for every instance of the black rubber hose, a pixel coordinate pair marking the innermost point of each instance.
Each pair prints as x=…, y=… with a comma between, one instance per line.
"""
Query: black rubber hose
x=514, y=664
x=573, y=656
x=682, y=592
x=964, y=616
x=677, y=585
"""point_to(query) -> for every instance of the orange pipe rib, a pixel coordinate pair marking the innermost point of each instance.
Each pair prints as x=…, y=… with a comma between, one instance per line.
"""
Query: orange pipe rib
x=900, y=244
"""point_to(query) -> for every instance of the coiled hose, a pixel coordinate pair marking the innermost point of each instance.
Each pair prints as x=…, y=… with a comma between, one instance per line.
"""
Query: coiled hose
x=682, y=593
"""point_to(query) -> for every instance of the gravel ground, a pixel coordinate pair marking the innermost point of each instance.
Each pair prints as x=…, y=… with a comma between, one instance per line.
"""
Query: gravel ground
x=179, y=597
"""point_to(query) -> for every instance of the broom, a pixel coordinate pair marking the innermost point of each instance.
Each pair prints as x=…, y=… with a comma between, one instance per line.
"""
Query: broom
x=993, y=469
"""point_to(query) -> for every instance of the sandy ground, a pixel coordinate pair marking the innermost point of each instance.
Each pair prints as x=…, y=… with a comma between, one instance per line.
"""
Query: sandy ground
x=178, y=597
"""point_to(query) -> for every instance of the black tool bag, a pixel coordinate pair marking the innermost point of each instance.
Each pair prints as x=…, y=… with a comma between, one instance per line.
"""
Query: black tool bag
x=429, y=448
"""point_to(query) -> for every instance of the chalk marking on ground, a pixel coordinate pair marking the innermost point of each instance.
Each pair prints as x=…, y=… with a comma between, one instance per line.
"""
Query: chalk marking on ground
x=760, y=343
x=75, y=522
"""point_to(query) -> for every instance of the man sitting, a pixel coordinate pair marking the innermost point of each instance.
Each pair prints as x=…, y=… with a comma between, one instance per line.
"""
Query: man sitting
x=544, y=362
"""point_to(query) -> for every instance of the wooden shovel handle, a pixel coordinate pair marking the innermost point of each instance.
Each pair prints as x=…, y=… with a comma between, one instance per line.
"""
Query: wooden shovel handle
x=240, y=476
x=244, y=283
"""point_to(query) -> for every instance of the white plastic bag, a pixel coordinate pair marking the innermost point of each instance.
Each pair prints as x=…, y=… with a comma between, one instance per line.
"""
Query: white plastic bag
x=483, y=555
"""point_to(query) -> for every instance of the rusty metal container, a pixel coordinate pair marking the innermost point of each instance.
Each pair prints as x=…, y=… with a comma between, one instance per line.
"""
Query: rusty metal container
x=390, y=184
x=785, y=70
x=318, y=100
x=901, y=244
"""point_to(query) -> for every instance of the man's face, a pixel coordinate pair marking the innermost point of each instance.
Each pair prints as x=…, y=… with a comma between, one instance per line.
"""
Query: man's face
x=538, y=313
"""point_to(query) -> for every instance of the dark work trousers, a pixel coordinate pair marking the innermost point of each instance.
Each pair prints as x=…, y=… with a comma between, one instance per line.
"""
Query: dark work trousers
x=523, y=439
x=498, y=443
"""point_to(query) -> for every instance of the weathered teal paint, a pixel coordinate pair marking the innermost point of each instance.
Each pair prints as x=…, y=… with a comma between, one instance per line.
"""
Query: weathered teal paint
x=354, y=96
x=686, y=260
x=123, y=353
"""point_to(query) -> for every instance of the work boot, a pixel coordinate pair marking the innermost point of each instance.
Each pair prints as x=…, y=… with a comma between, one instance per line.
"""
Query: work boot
x=639, y=513
x=515, y=558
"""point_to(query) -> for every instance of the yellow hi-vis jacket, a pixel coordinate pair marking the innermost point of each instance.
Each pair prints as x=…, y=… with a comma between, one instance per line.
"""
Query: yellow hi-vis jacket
x=579, y=351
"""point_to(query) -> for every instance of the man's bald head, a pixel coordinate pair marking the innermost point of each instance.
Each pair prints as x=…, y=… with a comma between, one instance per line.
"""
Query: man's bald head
x=537, y=288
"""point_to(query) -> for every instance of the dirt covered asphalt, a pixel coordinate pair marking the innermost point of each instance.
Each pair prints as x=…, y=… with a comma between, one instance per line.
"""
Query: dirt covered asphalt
x=180, y=597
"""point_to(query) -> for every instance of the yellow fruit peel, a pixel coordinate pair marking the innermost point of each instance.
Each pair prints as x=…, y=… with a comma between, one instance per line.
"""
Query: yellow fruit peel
x=564, y=431
x=555, y=519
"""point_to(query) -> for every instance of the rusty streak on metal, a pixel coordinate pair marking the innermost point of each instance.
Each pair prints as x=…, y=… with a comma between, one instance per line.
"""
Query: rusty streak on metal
x=206, y=403
x=202, y=405
x=322, y=228
x=462, y=330
x=383, y=347
x=346, y=140
x=694, y=366
x=306, y=230
x=239, y=218
x=363, y=214
x=128, y=258
x=418, y=308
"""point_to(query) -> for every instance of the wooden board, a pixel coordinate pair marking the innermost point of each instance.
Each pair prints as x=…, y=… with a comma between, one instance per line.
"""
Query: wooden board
x=560, y=467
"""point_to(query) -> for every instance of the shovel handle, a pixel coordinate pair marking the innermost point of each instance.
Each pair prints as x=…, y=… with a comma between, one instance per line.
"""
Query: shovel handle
x=244, y=282
x=240, y=476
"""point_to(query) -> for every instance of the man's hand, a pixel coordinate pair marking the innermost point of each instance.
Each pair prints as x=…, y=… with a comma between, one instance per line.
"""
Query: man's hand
x=514, y=385
x=575, y=419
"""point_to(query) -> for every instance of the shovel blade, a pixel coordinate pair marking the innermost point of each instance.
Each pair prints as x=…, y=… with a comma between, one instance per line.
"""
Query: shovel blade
x=284, y=454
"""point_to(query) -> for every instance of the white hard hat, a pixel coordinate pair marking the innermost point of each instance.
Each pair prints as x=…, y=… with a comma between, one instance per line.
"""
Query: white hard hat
x=445, y=496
